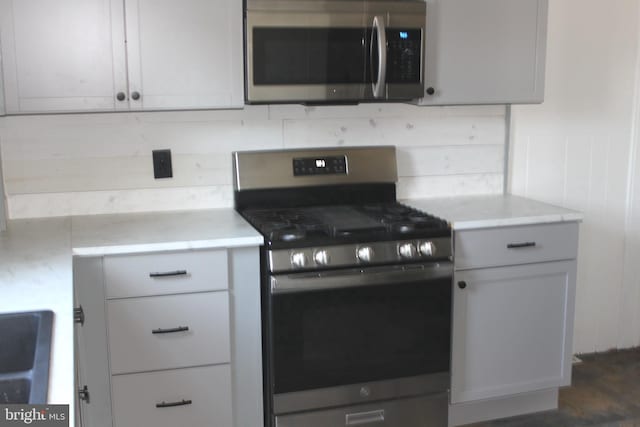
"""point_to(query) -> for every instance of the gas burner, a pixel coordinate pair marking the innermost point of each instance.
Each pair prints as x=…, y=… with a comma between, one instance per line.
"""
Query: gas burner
x=290, y=234
x=403, y=228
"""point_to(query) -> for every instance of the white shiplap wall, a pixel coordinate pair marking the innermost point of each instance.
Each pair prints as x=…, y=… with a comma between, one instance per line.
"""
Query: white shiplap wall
x=575, y=149
x=101, y=163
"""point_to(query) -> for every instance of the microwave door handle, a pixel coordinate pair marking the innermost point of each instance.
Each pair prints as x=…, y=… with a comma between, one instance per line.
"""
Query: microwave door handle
x=380, y=29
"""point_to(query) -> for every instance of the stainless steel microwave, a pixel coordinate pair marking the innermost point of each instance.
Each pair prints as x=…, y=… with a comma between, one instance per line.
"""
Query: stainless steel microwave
x=334, y=51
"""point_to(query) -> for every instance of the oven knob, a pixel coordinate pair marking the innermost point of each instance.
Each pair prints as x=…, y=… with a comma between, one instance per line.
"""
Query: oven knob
x=407, y=250
x=427, y=249
x=322, y=257
x=299, y=259
x=365, y=254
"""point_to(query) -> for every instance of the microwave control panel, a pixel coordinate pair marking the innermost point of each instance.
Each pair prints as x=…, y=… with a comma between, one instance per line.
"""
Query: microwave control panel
x=333, y=165
x=404, y=55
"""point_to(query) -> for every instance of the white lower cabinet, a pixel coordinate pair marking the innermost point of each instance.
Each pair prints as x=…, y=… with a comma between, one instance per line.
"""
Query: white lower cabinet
x=148, y=354
x=510, y=326
x=194, y=397
x=513, y=315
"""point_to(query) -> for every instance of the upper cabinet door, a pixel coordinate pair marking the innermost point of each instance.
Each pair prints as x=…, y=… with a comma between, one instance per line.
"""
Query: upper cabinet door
x=62, y=56
x=485, y=51
x=184, y=54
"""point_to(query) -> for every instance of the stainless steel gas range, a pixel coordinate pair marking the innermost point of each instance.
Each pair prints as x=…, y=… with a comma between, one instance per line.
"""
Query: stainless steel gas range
x=356, y=290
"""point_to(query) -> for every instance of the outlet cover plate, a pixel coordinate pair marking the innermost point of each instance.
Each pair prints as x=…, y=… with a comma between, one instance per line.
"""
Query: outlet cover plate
x=162, y=164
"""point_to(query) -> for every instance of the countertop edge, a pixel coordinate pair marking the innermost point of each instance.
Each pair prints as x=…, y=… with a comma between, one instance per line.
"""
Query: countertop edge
x=229, y=243
x=516, y=221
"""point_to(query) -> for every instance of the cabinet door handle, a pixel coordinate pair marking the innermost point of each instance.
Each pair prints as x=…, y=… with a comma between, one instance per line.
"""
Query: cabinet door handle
x=462, y=284
x=164, y=404
x=430, y=91
x=135, y=95
x=170, y=330
x=121, y=96
x=521, y=245
x=169, y=273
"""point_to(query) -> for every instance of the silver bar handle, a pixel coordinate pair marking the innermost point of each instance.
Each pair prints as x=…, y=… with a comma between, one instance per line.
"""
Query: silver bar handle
x=352, y=278
x=380, y=29
x=364, y=418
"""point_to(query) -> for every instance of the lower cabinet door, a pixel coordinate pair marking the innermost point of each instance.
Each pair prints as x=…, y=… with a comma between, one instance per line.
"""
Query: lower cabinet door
x=194, y=397
x=512, y=330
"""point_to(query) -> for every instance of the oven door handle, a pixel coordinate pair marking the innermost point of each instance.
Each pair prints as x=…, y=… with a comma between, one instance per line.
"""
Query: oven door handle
x=374, y=276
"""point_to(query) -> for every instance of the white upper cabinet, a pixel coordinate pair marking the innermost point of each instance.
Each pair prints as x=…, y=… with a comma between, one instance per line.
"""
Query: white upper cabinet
x=485, y=51
x=72, y=56
x=61, y=56
x=185, y=54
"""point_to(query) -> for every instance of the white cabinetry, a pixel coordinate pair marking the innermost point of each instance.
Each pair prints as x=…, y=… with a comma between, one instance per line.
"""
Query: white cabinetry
x=512, y=316
x=170, y=339
x=71, y=55
x=485, y=51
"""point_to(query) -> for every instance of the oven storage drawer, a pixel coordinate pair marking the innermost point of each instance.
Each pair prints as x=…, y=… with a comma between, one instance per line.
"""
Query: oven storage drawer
x=165, y=332
x=184, y=397
x=414, y=412
x=515, y=245
x=166, y=273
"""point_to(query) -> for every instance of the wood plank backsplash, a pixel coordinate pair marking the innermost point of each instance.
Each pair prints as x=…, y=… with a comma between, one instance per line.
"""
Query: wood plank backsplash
x=57, y=165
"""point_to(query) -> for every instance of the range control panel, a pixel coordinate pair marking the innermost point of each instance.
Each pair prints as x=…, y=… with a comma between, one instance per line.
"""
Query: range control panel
x=333, y=165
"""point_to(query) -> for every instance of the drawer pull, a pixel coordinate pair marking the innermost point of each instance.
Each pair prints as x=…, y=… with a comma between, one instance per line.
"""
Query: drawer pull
x=164, y=404
x=364, y=418
x=169, y=273
x=521, y=245
x=170, y=330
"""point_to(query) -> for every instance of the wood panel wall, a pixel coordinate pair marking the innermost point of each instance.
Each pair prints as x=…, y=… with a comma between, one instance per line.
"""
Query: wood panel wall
x=579, y=150
x=101, y=163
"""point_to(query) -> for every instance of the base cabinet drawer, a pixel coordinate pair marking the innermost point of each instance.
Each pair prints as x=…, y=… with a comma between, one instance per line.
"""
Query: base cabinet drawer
x=413, y=412
x=166, y=273
x=515, y=245
x=193, y=397
x=167, y=332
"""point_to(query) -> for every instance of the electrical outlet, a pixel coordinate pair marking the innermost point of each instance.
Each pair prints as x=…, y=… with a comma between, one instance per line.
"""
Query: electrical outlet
x=162, y=164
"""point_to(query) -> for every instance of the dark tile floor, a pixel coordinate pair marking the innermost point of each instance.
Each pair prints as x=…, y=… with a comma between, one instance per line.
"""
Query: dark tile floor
x=605, y=392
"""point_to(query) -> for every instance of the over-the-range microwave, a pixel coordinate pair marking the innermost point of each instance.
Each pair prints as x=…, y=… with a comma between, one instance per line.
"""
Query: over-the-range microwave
x=334, y=51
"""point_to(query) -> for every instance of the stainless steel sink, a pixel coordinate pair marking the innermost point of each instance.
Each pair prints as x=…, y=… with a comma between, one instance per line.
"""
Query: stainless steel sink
x=25, y=349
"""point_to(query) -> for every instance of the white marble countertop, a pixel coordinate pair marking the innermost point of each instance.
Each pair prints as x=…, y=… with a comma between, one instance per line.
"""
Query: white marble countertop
x=36, y=264
x=166, y=231
x=36, y=274
x=493, y=211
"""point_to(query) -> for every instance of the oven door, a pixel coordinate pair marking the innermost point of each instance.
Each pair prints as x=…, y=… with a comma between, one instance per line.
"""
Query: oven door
x=353, y=336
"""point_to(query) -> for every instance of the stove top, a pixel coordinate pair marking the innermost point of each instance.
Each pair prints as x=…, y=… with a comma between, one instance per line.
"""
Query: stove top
x=341, y=224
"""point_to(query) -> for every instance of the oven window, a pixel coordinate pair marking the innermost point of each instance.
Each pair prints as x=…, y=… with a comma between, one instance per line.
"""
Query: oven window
x=346, y=336
x=284, y=56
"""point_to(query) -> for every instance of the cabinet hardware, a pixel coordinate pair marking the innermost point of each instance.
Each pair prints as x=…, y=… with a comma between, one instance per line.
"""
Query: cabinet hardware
x=83, y=394
x=164, y=404
x=365, y=417
x=135, y=95
x=170, y=330
x=430, y=91
x=121, y=96
x=521, y=245
x=169, y=273
x=78, y=315
x=462, y=284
